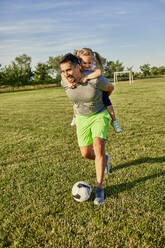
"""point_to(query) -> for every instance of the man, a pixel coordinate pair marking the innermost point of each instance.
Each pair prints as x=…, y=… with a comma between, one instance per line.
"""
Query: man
x=92, y=119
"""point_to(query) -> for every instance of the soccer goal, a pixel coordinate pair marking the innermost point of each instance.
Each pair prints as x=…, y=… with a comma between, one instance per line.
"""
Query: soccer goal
x=123, y=72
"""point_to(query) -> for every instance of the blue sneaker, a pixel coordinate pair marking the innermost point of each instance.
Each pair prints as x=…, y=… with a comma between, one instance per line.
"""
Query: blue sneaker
x=99, y=196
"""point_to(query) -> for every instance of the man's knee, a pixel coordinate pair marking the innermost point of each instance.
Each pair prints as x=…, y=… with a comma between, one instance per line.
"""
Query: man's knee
x=85, y=154
x=86, y=151
x=99, y=146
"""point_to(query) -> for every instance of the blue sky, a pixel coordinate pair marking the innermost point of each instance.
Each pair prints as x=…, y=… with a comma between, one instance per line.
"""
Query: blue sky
x=132, y=31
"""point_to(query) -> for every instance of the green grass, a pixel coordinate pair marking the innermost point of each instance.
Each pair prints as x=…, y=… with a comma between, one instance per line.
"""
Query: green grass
x=40, y=161
x=6, y=89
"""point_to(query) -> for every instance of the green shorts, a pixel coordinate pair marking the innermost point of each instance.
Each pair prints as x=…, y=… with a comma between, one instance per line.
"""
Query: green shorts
x=90, y=127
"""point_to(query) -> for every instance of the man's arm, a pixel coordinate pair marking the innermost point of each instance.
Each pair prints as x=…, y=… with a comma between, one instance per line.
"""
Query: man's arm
x=109, y=88
x=103, y=84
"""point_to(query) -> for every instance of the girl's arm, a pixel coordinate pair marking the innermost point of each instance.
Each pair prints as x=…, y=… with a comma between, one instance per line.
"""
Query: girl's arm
x=71, y=85
x=96, y=73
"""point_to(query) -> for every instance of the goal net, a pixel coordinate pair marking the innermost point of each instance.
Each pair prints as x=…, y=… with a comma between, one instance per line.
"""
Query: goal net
x=123, y=72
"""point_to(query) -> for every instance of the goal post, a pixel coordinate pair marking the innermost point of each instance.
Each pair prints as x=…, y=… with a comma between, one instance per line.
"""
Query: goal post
x=123, y=72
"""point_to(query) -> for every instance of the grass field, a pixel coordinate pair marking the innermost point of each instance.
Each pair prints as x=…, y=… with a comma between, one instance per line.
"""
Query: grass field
x=40, y=161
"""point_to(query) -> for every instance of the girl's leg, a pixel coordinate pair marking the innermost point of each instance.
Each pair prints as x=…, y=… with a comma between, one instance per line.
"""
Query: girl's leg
x=114, y=122
x=111, y=112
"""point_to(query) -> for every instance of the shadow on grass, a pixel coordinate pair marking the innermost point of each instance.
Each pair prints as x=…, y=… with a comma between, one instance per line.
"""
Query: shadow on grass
x=140, y=161
x=115, y=189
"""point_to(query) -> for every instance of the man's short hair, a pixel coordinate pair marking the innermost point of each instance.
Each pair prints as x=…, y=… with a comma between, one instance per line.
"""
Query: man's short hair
x=69, y=57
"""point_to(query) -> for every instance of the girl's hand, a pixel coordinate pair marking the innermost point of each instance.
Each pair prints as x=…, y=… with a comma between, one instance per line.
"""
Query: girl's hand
x=72, y=85
x=84, y=79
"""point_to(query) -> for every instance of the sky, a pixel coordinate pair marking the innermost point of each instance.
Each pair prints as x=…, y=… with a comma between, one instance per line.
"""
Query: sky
x=131, y=31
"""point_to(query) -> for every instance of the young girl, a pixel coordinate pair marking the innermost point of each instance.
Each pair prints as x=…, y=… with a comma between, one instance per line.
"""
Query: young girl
x=88, y=66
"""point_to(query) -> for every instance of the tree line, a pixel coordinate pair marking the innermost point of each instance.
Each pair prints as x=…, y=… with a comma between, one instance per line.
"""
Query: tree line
x=19, y=72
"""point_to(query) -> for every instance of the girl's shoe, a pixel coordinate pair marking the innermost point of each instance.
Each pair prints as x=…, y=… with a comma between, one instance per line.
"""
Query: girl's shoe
x=116, y=126
x=73, y=123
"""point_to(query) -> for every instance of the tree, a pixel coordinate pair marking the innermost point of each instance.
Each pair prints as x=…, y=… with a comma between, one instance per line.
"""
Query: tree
x=104, y=61
x=24, y=64
x=1, y=74
x=130, y=68
x=12, y=75
x=53, y=64
x=154, y=71
x=111, y=67
x=162, y=70
x=18, y=72
x=54, y=68
x=23, y=60
x=41, y=72
x=145, y=69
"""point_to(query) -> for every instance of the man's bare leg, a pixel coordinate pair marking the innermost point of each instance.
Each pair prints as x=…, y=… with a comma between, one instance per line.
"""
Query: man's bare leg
x=87, y=152
x=97, y=152
x=100, y=160
x=99, y=149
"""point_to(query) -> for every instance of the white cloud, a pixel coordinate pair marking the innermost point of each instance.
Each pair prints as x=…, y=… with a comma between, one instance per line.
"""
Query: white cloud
x=34, y=26
x=9, y=29
x=46, y=45
x=40, y=49
x=113, y=30
x=41, y=6
x=128, y=46
x=48, y=5
x=121, y=12
x=101, y=11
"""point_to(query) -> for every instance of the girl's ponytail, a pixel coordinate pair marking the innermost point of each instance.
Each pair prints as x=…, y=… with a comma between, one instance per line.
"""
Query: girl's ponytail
x=99, y=60
x=76, y=52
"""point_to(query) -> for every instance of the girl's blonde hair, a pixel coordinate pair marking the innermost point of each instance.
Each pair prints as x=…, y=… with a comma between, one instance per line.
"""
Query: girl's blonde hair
x=88, y=52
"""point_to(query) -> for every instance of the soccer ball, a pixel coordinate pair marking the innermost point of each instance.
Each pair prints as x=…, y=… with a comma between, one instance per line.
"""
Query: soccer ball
x=81, y=191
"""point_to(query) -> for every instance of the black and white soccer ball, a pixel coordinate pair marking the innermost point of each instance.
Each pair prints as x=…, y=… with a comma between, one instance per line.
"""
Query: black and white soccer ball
x=81, y=191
